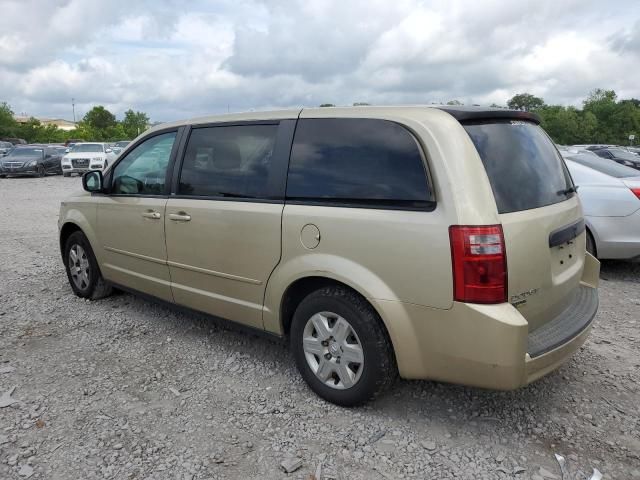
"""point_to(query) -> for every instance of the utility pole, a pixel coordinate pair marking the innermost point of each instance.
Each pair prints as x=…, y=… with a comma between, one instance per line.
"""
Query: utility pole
x=73, y=106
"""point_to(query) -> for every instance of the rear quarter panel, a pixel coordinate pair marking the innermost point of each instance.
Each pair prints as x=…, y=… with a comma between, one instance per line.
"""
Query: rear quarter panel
x=391, y=255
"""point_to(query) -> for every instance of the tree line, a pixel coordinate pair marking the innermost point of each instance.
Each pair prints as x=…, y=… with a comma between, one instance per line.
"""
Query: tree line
x=98, y=125
x=602, y=119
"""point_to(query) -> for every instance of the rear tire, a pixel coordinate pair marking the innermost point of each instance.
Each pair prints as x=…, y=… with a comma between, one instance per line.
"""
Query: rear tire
x=348, y=358
x=41, y=171
x=82, y=269
x=66, y=174
x=591, y=245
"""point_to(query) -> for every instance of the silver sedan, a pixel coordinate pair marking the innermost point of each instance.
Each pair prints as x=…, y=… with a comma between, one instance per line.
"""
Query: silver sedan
x=610, y=196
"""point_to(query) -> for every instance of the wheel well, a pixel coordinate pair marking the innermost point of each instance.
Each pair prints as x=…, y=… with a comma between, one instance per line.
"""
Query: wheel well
x=65, y=233
x=298, y=290
x=593, y=239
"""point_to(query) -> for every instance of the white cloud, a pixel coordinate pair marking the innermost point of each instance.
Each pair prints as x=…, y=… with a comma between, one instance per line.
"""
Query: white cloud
x=173, y=62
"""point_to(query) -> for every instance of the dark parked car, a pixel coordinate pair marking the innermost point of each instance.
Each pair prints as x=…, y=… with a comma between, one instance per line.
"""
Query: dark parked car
x=619, y=155
x=33, y=160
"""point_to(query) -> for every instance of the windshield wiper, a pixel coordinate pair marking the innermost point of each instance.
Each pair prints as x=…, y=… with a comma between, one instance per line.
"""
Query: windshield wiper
x=569, y=190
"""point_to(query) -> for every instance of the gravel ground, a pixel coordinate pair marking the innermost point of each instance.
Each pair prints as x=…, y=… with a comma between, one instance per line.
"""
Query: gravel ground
x=124, y=388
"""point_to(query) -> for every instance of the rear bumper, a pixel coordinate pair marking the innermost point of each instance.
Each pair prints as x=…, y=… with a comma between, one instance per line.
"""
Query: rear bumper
x=617, y=237
x=487, y=346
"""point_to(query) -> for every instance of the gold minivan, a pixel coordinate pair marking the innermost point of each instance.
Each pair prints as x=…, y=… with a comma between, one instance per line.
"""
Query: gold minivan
x=442, y=243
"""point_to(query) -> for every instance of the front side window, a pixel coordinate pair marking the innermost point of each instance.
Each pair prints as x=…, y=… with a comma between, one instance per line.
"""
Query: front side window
x=357, y=162
x=143, y=171
x=228, y=161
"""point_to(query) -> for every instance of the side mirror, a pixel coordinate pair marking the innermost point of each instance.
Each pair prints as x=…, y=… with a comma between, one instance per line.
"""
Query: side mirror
x=92, y=181
x=67, y=150
x=108, y=150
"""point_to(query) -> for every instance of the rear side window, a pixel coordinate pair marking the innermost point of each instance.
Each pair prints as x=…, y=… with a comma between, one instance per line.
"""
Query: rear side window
x=607, y=167
x=523, y=166
x=357, y=162
x=228, y=161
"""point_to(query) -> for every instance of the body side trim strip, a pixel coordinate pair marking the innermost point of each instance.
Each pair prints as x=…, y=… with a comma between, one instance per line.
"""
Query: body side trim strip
x=214, y=273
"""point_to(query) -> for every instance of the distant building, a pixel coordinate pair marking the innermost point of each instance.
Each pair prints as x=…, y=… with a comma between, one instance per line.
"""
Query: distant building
x=58, y=122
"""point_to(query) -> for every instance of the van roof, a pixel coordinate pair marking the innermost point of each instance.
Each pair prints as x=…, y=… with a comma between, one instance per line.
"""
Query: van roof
x=460, y=113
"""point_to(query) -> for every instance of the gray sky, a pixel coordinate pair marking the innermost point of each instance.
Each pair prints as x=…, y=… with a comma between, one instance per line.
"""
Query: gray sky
x=176, y=59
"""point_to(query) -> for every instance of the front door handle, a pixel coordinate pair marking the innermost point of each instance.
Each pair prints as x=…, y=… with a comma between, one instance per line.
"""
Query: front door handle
x=179, y=217
x=151, y=214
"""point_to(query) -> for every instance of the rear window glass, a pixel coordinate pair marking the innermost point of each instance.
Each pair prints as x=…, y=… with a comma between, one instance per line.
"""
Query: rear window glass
x=607, y=167
x=523, y=165
x=357, y=162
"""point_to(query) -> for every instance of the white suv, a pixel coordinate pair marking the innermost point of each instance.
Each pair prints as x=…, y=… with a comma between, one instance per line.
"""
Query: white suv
x=83, y=157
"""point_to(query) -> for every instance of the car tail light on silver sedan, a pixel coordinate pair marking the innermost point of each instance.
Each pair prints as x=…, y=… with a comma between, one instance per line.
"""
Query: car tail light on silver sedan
x=636, y=192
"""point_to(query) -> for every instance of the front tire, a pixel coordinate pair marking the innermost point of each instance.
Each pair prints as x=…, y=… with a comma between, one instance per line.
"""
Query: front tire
x=341, y=347
x=82, y=269
x=41, y=171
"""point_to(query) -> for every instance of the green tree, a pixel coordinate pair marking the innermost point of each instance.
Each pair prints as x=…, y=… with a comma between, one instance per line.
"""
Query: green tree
x=525, y=101
x=327, y=105
x=602, y=103
x=30, y=129
x=588, y=127
x=8, y=125
x=360, y=104
x=115, y=133
x=134, y=123
x=454, y=102
x=100, y=118
x=625, y=121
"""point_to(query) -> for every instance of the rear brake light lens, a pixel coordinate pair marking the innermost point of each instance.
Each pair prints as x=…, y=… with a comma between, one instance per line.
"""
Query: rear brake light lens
x=479, y=264
x=636, y=192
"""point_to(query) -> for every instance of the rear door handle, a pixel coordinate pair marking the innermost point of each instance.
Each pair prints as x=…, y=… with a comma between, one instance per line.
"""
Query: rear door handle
x=151, y=214
x=179, y=217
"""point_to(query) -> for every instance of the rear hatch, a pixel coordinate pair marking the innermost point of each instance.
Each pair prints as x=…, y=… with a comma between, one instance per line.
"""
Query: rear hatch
x=540, y=214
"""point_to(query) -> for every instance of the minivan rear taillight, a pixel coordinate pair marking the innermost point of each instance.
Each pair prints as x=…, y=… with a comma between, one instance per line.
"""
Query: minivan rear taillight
x=636, y=192
x=479, y=264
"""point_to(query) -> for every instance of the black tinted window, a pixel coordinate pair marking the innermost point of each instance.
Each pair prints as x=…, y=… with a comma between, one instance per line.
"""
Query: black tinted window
x=228, y=161
x=522, y=164
x=360, y=161
x=143, y=171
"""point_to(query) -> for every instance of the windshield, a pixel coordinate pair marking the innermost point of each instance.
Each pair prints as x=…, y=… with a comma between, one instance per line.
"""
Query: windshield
x=607, y=167
x=26, y=152
x=523, y=165
x=619, y=153
x=87, y=147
